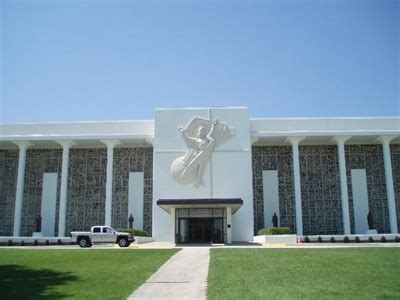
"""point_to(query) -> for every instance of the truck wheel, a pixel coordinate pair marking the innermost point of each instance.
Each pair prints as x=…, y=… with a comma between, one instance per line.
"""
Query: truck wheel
x=83, y=243
x=123, y=242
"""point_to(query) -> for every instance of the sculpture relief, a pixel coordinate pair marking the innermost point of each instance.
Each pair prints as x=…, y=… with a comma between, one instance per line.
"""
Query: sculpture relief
x=201, y=136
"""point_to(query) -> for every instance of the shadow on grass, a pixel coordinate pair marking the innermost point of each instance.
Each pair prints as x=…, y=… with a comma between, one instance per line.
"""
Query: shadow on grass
x=21, y=282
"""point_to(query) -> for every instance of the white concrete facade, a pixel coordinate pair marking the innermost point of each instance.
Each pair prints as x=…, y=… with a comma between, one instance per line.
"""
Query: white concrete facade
x=227, y=174
x=135, y=198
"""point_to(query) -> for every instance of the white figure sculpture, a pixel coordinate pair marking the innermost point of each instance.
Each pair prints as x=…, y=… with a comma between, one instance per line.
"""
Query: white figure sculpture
x=201, y=136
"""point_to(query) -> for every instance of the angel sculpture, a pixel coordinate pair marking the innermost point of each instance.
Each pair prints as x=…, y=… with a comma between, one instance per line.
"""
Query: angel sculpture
x=201, y=136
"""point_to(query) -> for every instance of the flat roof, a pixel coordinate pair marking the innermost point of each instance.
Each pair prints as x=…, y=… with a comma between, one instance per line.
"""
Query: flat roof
x=141, y=132
x=234, y=203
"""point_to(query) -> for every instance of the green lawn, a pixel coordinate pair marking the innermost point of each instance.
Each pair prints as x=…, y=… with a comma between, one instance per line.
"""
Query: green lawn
x=94, y=274
x=304, y=273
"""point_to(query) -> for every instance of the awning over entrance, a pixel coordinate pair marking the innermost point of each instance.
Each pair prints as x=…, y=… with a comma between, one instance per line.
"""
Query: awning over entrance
x=233, y=203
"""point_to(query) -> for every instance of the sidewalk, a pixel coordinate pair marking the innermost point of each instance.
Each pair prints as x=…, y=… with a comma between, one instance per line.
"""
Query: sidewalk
x=183, y=276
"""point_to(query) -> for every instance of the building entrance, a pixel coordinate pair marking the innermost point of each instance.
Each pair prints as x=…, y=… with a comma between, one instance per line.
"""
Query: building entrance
x=200, y=226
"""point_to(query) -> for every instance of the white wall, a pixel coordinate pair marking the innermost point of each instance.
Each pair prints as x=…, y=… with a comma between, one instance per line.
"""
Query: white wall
x=232, y=174
x=271, y=196
x=360, y=200
x=48, y=208
x=228, y=175
x=135, y=198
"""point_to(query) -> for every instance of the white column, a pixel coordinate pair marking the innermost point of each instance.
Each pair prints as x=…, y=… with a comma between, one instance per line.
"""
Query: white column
x=66, y=145
x=109, y=180
x=340, y=141
x=385, y=140
x=294, y=141
x=22, y=145
x=229, y=225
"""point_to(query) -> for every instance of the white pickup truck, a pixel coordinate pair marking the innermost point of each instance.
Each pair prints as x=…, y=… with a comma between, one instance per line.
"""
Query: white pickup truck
x=101, y=234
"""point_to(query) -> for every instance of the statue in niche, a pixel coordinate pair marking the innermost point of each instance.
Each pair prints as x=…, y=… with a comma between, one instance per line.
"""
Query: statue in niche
x=130, y=222
x=275, y=220
x=38, y=224
x=201, y=136
x=370, y=220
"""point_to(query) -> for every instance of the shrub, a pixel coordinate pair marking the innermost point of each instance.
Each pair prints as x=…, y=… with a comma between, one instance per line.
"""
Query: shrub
x=370, y=239
x=346, y=239
x=10, y=243
x=397, y=239
x=332, y=240
x=59, y=242
x=383, y=239
x=274, y=231
x=35, y=243
x=357, y=239
x=306, y=239
x=135, y=232
x=319, y=239
x=22, y=243
x=47, y=242
x=263, y=231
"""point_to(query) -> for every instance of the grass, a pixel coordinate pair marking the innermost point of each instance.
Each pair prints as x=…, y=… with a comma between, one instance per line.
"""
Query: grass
x=91, y=274
x=304, y=273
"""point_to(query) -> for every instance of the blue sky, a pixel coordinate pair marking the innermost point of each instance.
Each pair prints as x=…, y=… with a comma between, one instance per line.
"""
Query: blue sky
x=111, y=60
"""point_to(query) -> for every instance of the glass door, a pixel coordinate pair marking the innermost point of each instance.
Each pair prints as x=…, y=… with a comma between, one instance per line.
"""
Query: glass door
x=205, y=225
x=218, y=230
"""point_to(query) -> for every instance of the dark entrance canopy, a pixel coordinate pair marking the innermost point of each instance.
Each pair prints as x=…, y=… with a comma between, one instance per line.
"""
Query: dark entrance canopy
x=233, y=203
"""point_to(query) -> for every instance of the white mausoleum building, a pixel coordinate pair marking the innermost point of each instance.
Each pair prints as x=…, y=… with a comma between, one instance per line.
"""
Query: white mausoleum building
x=201, y=175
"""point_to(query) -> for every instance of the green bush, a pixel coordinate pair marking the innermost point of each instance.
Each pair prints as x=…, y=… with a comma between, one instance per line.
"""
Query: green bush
x=346, y=239
x=59, y=242
x=383, y=239
x=357, y=239
x=135, y=232
x=332, y=240
x=397, y=239
x=47, y=242
x=274, y=231
x=370, y=239
x=306, y=239
x=35, y=243
x=22, y=243
x=10, y=243
x=319, y=239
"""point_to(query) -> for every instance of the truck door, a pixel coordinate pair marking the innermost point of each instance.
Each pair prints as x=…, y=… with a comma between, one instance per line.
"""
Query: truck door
x=109, y=235
x=96, y=235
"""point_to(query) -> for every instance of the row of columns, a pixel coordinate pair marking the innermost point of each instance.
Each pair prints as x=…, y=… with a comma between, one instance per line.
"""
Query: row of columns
x=66, y=146
x=340, y=142
x=294, y=141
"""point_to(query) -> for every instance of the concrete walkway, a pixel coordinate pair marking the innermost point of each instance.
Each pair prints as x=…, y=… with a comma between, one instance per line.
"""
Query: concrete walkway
x=183, y=276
